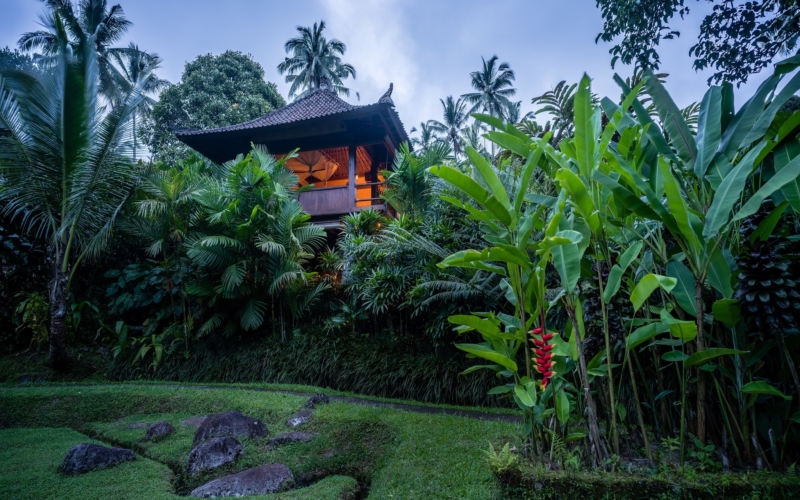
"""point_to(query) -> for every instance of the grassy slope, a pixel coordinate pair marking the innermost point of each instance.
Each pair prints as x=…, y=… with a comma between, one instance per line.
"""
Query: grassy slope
x=418, y=455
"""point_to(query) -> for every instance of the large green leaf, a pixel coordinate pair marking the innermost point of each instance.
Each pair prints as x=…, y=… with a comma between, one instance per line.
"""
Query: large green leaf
x=672, y=119
x=789, y=173
x=677, y=206
x=684, y=291
x=525, y=178
x=703, y=357
x=585, y=137
x=649, y=284
x=474, y=190
x=629, y=200
x=745, y=118
x=645, y=333
x=615, y=276
x=580, y=196
x=720, y=274
x=562, y=406
x=523, y=396
x=782, y=157
x=567, y=261
x=709, y=130
x=483, y=325
x=760, y=387
x=488, y=354
x=674, y=356
x=490, y=177
x=684, y=330
x=728, y=193
x=653, y=132
x=765, y=119
x=728, y=311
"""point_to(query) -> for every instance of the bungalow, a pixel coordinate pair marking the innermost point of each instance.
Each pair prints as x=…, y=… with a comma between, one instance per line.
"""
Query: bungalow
x=343, y=148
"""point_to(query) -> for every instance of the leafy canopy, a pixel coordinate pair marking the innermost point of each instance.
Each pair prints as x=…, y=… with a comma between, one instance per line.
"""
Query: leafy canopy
x=214, y=91
x=737, y=39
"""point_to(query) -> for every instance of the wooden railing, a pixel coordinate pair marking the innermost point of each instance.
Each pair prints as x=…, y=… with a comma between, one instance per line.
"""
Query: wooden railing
x=336, y=200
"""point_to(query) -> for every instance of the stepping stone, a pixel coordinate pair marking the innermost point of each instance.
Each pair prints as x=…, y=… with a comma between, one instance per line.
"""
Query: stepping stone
x=192, y=421
x=214, y=453
x=300, y=418
x=316, y=399
x=291, y=437
x=232, y=423
x=159, y=430
x=262, y=480
x=87, y=457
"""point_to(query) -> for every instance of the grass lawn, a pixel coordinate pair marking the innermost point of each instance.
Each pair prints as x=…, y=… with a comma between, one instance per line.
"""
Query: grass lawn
x=396, y=454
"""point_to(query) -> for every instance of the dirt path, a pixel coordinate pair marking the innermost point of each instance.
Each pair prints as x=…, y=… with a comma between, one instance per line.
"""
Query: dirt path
x=476, y=414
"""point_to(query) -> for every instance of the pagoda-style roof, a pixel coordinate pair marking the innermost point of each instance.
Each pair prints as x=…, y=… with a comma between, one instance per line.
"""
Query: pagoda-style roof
x=319, y=120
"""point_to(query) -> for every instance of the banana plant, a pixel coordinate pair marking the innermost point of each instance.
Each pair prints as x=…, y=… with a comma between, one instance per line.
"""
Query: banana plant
x=579, y=169
x=508, y=222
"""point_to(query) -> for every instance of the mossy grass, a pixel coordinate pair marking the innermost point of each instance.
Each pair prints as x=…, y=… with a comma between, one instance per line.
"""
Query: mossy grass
x=400, y=454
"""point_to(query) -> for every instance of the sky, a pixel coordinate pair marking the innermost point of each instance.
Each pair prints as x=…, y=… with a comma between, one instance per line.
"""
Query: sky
x=427, y=48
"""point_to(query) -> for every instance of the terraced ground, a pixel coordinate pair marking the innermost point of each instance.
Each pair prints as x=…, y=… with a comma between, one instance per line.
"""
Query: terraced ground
x=361, y=451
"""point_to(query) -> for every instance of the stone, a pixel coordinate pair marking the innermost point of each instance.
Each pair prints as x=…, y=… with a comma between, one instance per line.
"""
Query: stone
x=291, y=437
x=261, y=480
x=136, y=425
x=192, y=421
x=214, y=453
x=316, y=399
x=300, y=418
x=87, y=457
x=159, y=430
x=232, y=423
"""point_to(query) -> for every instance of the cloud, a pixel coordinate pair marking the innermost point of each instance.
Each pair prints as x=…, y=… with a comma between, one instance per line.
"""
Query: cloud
x=381, y=47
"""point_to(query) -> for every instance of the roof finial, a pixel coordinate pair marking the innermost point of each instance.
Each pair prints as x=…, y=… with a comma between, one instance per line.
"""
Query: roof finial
x=387, y=97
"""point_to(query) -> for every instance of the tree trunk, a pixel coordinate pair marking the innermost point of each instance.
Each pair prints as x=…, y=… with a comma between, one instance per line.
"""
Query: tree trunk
x=594, y=431
x=59, y=298
x=701, y=383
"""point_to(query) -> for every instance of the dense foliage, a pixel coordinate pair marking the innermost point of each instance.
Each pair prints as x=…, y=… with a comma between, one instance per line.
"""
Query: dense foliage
x=626, y=273
x=214, y=91
x=737, y=39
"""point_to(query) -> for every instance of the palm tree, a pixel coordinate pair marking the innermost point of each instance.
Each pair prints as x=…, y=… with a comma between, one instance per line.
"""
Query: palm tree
x=473, y=137
x=454, y=117
x=93, y=23
x=408, y=184
x=513, y=113
x=560, y=103
x=314, y=57
x=427, y=136
x=65, y=168
x=138, y=69
x=493, y=87
x=253, y=245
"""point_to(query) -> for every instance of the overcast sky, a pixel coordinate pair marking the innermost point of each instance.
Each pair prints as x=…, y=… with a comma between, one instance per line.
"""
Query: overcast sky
x=426, y=47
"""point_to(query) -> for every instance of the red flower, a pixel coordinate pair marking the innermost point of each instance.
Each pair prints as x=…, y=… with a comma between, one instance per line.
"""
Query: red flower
x=542, y=354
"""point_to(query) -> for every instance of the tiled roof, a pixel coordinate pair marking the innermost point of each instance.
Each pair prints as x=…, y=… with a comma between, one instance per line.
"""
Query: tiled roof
x=319, y=103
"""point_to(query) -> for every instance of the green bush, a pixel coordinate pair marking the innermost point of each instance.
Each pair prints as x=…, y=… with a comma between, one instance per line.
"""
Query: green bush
x=345, y=363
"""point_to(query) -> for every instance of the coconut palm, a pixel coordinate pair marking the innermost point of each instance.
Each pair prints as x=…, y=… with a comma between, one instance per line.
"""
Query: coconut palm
x=513, y=113
x=473, y=137
x=408, y=185
x=137, y=68
x=454, y=118
x=314, y=57
x=427, y=136
x=92, y=23
x=493, y=88
x=560, y=104
x=65, y=166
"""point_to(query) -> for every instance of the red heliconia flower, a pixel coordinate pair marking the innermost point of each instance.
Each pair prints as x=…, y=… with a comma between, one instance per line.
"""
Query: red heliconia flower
x=543, y=355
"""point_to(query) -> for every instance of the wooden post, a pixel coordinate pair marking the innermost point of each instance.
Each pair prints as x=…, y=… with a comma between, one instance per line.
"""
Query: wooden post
x=351, y=186
x=374, y=175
